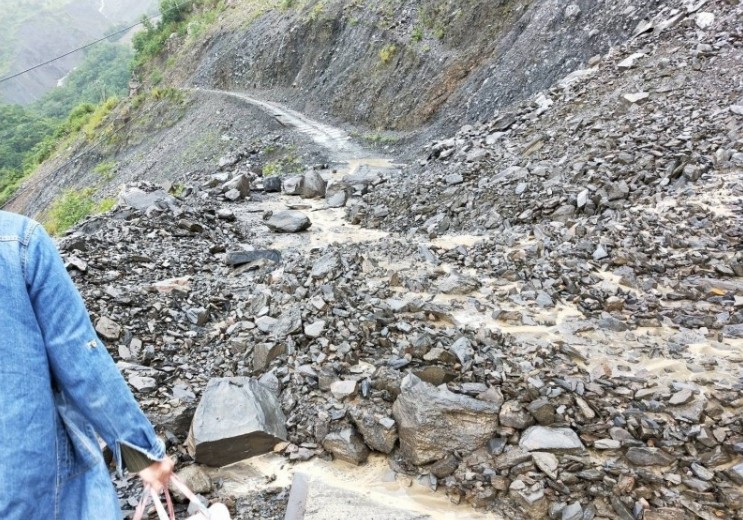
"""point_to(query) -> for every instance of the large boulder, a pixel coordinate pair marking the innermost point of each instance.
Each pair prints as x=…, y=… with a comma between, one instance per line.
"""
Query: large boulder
x=433, y=422
x=240, y=185
x=288, y=222
x=237, y=418
x=145, y=201
x=313, y=185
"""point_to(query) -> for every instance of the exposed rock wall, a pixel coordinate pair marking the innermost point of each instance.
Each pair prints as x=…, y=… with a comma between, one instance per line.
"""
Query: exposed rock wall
x=405, y=66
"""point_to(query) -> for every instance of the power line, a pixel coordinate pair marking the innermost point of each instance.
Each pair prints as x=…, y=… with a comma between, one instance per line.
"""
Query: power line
x=176, y=7
x=2, y=80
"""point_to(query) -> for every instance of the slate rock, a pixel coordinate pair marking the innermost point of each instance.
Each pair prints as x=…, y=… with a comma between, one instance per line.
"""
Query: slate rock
x=313, y=186
x=379, y=433
x=543, y=438
x=237, y=418
x=346, y=445
x=642, y=456
x=288, y=221
x=238, y=258
x=433, y=422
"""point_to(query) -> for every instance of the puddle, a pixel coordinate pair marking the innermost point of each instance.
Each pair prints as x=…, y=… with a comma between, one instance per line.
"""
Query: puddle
x=374, y=481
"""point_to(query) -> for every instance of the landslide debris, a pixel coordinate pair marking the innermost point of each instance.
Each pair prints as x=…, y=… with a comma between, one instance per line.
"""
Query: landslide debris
x=583, y=337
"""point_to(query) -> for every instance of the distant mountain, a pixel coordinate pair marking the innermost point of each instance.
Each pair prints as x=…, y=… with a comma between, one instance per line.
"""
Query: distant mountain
x=34, y=31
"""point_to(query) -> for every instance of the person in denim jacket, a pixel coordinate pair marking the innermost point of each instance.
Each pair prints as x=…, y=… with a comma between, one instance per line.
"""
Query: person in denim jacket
x=58, y=388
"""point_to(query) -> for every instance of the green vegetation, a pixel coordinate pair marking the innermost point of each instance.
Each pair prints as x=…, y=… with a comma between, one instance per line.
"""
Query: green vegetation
x=73, y=206
x=104, y=73
x=417, y=34
x=30, y=135
x=435, y=18
x=69, y=209
x=105, y=205
x=190, y=17
x=106, y=170
x=287, y=162
x=387, y=53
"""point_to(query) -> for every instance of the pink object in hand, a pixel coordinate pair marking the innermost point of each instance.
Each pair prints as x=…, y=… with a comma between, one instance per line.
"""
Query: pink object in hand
x=215, y=512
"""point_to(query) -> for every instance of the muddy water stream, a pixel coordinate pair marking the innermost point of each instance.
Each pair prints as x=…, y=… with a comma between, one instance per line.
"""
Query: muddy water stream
x=374, y=481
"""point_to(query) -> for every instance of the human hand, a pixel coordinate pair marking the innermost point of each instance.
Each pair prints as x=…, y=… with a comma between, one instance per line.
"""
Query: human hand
x=157, y=474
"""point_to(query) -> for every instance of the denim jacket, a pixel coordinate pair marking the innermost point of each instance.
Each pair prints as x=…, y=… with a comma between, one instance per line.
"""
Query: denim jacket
x=58, y=388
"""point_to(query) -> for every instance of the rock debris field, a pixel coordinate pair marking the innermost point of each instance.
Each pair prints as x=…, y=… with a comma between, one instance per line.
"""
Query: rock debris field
x=543, y=318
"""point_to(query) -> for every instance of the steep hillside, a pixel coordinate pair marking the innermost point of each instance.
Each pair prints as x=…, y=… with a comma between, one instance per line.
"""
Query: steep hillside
x=34, y=32
x=401, y=64
x=540, y=317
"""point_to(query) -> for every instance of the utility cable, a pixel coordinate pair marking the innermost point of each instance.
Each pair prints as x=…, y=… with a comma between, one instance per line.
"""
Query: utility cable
x=176, y=7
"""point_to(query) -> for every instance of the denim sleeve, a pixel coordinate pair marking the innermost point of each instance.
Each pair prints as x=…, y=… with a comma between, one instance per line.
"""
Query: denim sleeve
x=80, y=365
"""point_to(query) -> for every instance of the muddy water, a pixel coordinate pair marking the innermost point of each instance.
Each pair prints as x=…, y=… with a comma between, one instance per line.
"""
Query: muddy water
x=375, y=481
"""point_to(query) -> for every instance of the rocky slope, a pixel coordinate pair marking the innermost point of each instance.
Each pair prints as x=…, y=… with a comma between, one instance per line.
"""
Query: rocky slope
x=542, y=319
x=402, y=65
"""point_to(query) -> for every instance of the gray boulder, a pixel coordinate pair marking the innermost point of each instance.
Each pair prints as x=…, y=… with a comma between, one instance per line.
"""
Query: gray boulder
x=432, y=421
x=346, y=445
x=292, y=185
x=146, y=201
x=380, y=433
x=236, y=418
x=313, y=186
x=240, y=184
x=288, y=222
x=272, y=184
x=337, y=194
x=543, y=438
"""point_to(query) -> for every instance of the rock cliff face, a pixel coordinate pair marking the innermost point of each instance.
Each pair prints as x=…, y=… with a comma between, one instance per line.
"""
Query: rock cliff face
x=403, y=65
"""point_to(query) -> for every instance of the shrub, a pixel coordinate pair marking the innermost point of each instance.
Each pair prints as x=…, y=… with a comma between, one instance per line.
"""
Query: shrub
x=417, y=33
x=69, y=209
x=387, y=53
x=105, y=169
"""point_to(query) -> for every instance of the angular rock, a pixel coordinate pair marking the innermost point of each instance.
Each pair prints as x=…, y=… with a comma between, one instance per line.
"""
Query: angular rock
x=288, y=222
x=513, y=415
x=433, y=422
x=641, y=456
x=236, y=418
x=292, y=185
x=542, y=438
x=313, y=186
x=240, y=184
x=343, y=389
x=458, y=284
x=346, y=445
x=195, y=479
x=108, y=329
x=379, y=433
x=327, y=266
